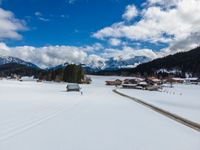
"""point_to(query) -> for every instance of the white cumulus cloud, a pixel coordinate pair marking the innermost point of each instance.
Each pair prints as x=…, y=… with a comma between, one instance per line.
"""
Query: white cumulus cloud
x=128, y=52
x=130, y=12
x=114, y=42
x=9, y=25
x=161, y=21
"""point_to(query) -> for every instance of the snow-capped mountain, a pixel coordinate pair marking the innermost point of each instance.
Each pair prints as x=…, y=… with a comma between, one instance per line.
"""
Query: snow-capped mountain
x=8, y=59
x=114, y=64
x=125, y=63
x=110, y=64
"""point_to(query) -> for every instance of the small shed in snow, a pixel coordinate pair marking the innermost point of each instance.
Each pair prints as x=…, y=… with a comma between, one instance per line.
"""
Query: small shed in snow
x=27, y=78
x=73, y=87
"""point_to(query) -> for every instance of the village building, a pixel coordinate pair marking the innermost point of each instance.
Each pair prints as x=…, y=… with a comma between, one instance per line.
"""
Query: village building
x=175, y=80
x=114, y=83
x=153, y=81
x=129, y=86
x=192, y=80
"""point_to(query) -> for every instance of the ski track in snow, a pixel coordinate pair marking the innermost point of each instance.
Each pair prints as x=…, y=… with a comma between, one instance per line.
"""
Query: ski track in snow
x=19, y=127
x=12, y=126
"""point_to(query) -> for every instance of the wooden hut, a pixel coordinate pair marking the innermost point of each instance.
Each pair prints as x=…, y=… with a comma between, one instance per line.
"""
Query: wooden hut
x=114, y=83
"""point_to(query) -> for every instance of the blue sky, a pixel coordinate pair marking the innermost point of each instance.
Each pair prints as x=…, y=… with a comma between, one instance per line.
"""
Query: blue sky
x=65, y=22
x=48, y=33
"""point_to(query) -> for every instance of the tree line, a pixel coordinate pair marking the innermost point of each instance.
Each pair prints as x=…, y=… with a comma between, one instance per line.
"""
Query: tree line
x=72, y=73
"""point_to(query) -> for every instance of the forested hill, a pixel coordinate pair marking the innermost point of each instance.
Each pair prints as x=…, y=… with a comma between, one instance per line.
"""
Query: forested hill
x=19, y=69
x=185, y=62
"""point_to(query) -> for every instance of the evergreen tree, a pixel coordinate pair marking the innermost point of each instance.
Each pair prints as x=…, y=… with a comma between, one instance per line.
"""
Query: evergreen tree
x=80, y=74
x=73, y=74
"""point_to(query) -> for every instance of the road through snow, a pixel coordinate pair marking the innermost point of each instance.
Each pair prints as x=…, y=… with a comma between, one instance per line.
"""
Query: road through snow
x=182, y=100
x=41, y=116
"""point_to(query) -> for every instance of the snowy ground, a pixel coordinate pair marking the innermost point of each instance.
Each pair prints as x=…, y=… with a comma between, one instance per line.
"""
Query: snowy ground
x=183, y=100
x=42, y=116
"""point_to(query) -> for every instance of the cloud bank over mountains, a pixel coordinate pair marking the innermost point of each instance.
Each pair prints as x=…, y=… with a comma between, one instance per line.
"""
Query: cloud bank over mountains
x=49, y=56
x=175, y=23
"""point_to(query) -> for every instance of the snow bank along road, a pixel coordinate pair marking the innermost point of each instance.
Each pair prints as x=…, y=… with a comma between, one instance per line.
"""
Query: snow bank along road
x=41, y=116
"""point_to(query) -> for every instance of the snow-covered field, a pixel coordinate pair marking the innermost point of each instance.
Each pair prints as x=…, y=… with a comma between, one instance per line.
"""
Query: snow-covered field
x=42, y=116
x=183, y=100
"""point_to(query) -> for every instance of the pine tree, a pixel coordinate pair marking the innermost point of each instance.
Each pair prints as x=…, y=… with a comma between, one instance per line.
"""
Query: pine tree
x=73, y=74
x=80, y=74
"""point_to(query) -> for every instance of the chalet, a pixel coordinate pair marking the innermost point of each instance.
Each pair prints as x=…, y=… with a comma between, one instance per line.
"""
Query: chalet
x=133, y=81
x=153, y=88
x=139, y=85
x=129, y=86
x=115, y=83
x=153, y=81
x=130, y=81
x=143, y=84
x=191, y=80
x=175, y=80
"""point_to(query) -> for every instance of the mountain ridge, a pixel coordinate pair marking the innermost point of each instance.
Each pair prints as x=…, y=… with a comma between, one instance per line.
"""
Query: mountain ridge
x=14, y=60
